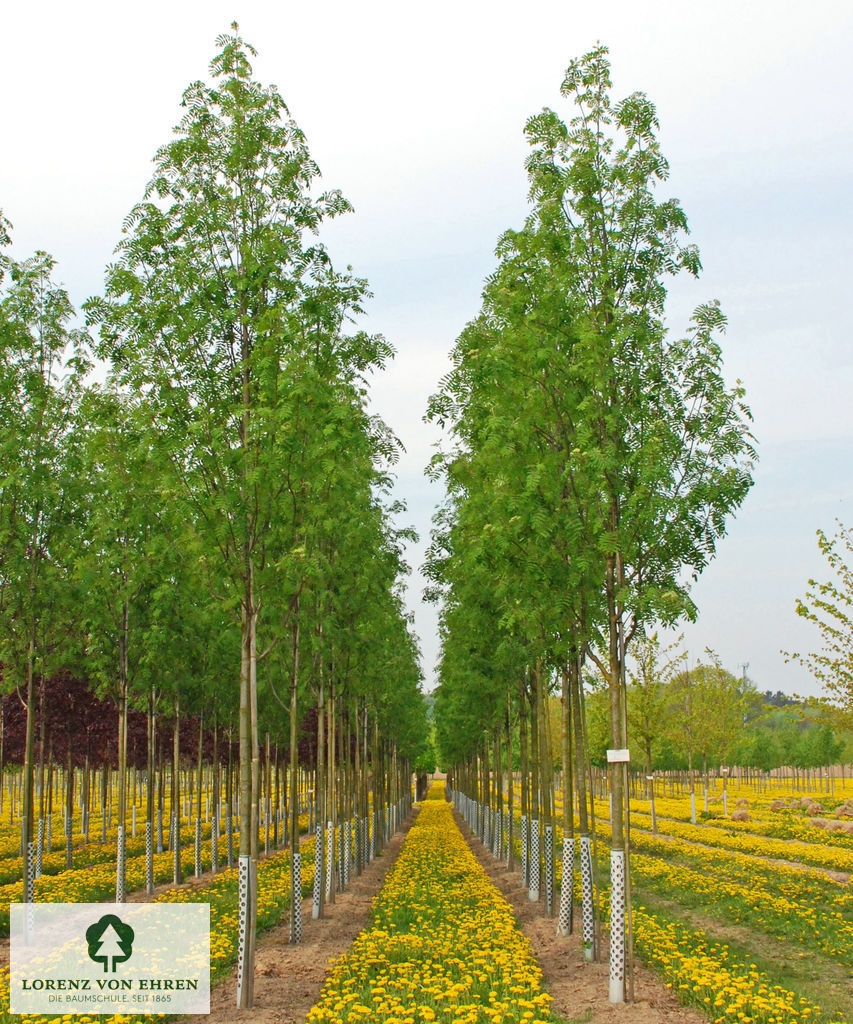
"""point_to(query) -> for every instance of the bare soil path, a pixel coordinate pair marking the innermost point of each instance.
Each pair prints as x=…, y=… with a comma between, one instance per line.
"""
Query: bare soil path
x=579, y=989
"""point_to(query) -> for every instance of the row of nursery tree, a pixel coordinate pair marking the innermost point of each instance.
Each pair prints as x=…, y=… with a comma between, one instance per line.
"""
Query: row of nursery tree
x=595, y=457
x=195, y=512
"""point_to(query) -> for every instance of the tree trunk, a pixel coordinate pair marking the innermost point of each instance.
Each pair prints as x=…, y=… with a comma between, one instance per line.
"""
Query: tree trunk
x=587, y=901
x=293, y=793
x=197, y=851
x=42, y=737
x=510, y=783
x=27, y=845
x=618, y=861
x=535, y=824
x=215, y=803
x=249, y=757
x=565, y=919
x=69, y=805
x=177, y=876
x=320, y=803
x=525, y=785
x=331, y=795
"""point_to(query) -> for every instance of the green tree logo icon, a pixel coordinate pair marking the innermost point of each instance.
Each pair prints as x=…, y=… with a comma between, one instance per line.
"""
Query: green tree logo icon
x=110, y=941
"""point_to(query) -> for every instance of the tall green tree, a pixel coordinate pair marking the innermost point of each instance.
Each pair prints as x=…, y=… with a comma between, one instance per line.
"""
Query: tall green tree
x=650, y=451
x=654, y=668
x=228, y=318
x=41, y=373
x=115, y=567
x=829, y=606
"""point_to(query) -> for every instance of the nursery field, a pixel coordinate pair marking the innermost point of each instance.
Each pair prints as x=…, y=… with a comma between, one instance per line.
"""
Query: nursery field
x=748, y=920
x=751, y=920
x=92, y=879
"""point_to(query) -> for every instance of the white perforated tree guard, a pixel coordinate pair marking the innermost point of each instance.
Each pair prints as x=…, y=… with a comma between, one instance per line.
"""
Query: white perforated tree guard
x=29, y=873
x=549, y=870
x=296, y=897
x=617, y=926
x=505, y=852
x=318, y=875
x=586, y=899
x=176, y=849
x=121, y=859
x=39, y=847
x=564, y=917
x=149, y=857
x=535, y=862
x=347, y=851
x=330, y=858
x=246, y=885
x=525, y=874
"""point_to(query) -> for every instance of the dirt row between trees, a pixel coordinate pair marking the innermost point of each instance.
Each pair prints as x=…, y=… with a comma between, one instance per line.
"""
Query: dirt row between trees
x=579, y=989
x=288, y=979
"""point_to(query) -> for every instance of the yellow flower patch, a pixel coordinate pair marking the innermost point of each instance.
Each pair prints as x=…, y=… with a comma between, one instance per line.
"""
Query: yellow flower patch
x=444, y=945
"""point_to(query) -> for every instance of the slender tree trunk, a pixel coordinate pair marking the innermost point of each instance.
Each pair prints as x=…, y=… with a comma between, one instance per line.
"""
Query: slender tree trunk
x=104, y=796
x=229, y=798
x=177, y=875
x=293, y=792
x=546, y=779
x=42, y=738
x=87, y=791
x=247, y=859
x=618, y=861
x=149, y=797
x=267, y=795
x=27, y=845
x=198, y=865
x=320, y=803
x=498, y=815
x=50, y=783
x=510, y=856
x=565, y=920
x=69, y=804
x=587, y=904
x=331, y=795
x=356, y=794
x=525, y=785
x=535, y=788
x=215, y=803
x=121, y=844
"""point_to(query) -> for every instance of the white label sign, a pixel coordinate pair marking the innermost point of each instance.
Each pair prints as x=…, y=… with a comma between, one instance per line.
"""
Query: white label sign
x=618, y=755
x=70, y=958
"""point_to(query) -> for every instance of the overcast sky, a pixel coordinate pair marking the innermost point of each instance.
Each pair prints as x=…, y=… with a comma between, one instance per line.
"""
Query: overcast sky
x=416, y=113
